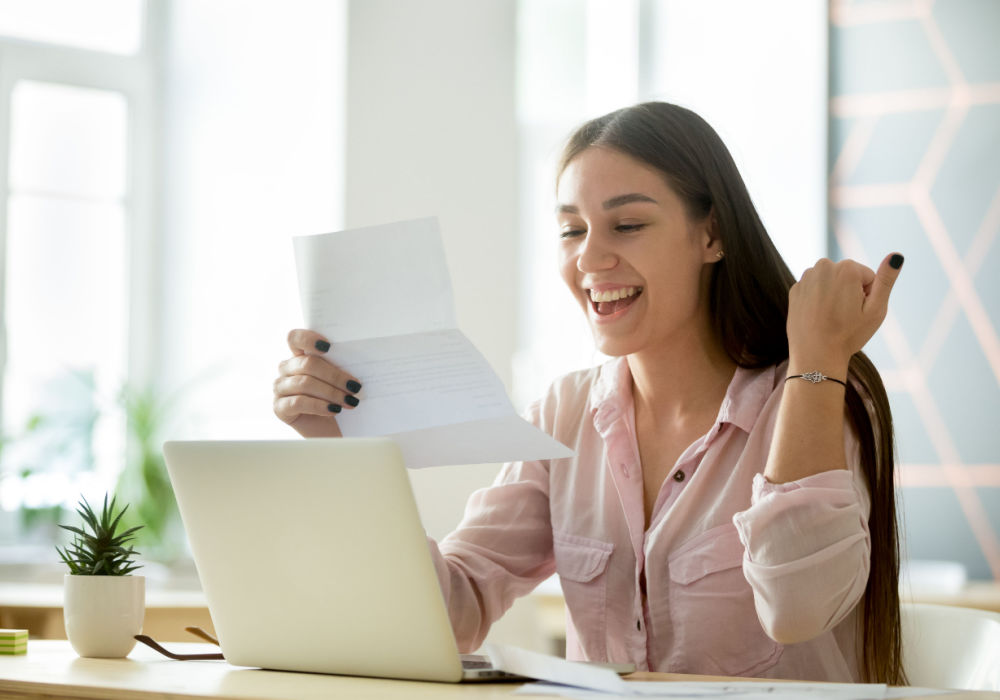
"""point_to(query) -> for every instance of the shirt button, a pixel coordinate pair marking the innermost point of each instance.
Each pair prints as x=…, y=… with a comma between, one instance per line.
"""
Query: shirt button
x=678, y=475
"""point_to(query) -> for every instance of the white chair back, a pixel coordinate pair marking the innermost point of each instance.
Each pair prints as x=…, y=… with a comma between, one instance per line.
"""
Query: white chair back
x=951, y=647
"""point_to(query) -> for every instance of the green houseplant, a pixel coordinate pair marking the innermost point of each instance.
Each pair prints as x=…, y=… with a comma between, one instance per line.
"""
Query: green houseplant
x=144, y=479
x=67, y=437
x=104, y=604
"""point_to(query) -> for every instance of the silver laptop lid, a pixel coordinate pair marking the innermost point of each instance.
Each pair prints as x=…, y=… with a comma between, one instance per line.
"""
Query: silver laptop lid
x=312, y=556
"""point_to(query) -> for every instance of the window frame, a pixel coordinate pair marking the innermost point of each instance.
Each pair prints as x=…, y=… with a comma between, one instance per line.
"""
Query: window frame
x=135, y=78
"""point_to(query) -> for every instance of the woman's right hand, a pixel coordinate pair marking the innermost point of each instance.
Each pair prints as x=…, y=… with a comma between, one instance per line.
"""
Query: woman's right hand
x=310, y=391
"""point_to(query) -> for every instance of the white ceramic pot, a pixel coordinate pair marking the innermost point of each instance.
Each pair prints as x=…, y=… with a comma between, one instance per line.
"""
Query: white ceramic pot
x=103, y=614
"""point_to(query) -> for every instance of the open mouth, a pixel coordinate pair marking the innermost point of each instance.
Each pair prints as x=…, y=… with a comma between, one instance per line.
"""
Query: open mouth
x=611, y=301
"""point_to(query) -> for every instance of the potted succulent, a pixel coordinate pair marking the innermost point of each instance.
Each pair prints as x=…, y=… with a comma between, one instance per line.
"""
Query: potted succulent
x=104, y=604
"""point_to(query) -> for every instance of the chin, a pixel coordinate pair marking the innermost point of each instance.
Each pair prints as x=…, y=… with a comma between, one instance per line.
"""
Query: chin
x=613, y=347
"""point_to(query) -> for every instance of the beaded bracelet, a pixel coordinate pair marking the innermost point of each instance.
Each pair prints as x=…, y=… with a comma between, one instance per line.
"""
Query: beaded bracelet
x=815, y=378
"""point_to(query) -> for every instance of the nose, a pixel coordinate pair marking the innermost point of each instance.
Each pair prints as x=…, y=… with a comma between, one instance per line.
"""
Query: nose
x=595, y=255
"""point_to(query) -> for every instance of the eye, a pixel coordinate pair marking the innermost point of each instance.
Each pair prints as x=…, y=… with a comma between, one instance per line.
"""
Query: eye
x=571, y=232
x=629, y=228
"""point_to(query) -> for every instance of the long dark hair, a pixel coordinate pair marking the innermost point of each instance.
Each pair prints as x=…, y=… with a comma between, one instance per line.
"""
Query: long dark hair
x=749, y=307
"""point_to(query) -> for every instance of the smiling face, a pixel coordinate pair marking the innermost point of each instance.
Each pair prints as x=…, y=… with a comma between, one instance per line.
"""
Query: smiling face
x=629, y=253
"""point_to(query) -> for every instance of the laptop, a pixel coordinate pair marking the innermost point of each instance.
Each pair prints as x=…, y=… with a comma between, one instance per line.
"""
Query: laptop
x=313, y=558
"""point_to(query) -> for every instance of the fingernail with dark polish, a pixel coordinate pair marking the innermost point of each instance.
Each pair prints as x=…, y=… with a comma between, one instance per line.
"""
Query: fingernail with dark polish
x=333, y=408
x=353, y=387
x=351, y=400
x=322, y=345
x=896, y=261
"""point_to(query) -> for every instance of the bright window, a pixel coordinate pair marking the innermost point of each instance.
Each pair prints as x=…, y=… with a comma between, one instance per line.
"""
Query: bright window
x=75, y=111
x=103, y=25
x=65, y=302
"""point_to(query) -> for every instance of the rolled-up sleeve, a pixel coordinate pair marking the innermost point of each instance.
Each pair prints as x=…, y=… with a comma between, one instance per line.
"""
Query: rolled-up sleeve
x=806, y=550
x=501, y=550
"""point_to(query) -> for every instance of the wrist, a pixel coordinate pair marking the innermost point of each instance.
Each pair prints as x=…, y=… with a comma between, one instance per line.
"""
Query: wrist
x=830, y=364
x=815, y=377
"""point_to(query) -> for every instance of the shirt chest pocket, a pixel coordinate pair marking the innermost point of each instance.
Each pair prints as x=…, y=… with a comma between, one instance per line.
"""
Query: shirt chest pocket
x=582, y=564
x=715, y=623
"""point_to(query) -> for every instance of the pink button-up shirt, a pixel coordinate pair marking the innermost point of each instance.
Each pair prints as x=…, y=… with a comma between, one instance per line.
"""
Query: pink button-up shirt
x=741, y=576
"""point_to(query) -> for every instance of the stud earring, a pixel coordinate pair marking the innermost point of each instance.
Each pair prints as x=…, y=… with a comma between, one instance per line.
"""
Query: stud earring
x=721, y=254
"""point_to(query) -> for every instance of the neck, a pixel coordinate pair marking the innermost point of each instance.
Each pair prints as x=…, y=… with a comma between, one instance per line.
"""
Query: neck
x=683, y=378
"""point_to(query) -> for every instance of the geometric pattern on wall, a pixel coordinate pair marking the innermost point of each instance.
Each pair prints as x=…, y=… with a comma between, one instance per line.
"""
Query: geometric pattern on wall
x=915, y=167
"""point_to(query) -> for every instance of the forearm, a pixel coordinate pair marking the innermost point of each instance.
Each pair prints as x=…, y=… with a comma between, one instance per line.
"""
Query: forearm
x=479, y=586
x=809, y=433
x=833, y=310
x=469, y=619
x=501, y=550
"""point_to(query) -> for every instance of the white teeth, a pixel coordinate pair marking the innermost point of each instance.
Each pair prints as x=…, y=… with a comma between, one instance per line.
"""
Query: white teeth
x=614, y=294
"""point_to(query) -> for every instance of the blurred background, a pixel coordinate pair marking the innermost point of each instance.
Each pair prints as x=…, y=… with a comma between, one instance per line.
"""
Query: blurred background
x=157, y=157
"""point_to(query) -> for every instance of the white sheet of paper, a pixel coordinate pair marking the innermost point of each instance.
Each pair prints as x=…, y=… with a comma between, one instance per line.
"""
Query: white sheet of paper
x=743, y=690
x=569, y=679
x=382, y=296
x=555, y=670
x=375, y=281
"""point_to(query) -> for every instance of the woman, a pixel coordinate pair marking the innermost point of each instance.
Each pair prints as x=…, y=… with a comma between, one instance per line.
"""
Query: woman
x=730, y=506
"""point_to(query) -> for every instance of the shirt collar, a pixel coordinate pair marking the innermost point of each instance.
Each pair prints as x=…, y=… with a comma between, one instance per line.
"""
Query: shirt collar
x=745, y=398
x=748, y=391
x=611, y=394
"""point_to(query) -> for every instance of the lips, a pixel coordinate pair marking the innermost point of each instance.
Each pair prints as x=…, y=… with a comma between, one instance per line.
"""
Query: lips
x=607, y=302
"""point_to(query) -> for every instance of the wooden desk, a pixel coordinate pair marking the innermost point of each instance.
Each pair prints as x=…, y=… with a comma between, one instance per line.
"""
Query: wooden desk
x=982, y=595
x=51, y=669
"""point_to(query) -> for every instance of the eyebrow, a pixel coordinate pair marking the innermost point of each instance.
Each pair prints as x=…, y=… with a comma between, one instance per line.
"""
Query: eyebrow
x=619, y=201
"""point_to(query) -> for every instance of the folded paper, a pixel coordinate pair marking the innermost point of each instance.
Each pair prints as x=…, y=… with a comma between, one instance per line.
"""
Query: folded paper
x=382, y=296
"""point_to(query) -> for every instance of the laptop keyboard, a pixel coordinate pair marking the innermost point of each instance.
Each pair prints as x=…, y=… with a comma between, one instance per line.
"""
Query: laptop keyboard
x=474, y=661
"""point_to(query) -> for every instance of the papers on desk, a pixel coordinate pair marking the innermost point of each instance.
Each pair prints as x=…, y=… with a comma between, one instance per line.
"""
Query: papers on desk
x=741, y=690
x=568, y=679
x=382, y=296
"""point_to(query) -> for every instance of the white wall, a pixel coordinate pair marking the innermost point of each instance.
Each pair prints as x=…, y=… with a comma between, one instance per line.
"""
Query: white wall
x=757, y=72
x=252, y=151
x=431, y=131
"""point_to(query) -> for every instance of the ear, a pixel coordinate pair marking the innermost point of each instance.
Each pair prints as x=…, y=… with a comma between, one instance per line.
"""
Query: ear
x=712, y=251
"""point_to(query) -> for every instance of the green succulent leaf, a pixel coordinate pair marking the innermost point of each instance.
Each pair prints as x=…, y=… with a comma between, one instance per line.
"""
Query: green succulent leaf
x=98, y=549
x=75, y=530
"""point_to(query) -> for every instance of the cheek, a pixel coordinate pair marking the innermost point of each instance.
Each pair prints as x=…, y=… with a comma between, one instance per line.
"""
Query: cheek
x=567, y=269
x=569, y=274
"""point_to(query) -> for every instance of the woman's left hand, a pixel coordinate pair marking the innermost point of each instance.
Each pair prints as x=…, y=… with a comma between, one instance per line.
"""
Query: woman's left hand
x=835, y=309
